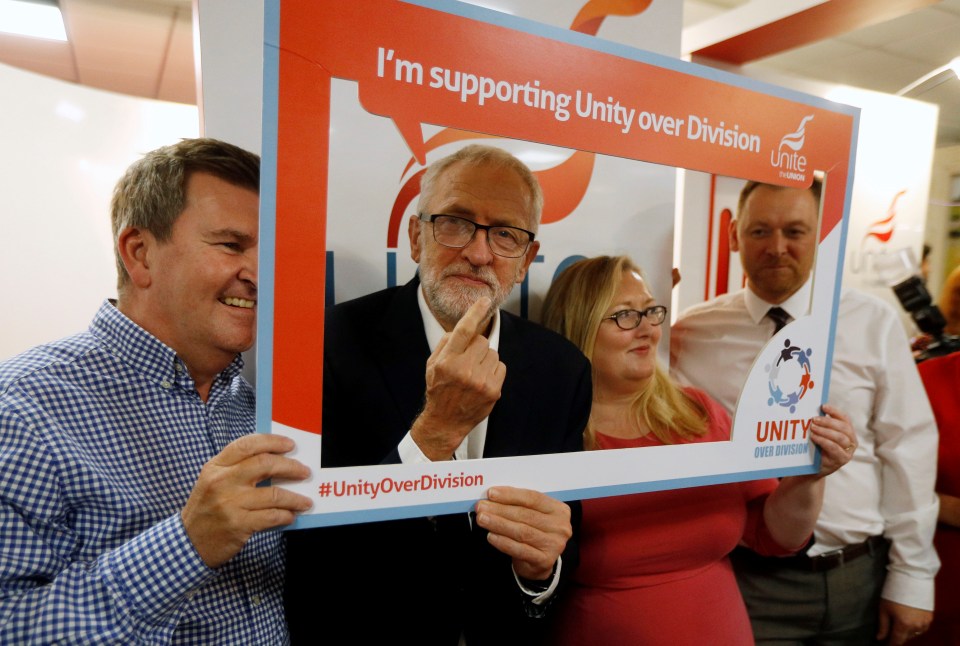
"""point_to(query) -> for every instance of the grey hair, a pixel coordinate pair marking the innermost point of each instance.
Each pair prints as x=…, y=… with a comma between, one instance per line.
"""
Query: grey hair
x=484, y=155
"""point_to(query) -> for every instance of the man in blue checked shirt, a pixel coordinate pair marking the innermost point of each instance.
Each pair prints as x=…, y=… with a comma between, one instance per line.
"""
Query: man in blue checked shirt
x=129, y=511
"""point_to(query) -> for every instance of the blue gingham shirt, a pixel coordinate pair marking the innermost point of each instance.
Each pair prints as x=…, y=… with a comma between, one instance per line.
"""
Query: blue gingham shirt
x=102, y=436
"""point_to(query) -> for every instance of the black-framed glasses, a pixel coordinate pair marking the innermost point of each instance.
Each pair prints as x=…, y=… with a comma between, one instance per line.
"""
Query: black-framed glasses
x=457, y=232
x=630, y=319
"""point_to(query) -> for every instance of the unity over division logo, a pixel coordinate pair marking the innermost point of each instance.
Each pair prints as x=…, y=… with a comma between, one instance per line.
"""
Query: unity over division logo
x=789, y=377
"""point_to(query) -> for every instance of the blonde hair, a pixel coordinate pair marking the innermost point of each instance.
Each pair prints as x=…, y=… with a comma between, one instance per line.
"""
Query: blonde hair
x=574, y=307
x=945, y=302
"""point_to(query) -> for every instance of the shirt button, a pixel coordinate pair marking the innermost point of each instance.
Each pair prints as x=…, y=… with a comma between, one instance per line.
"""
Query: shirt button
x=178, y=367
x=166, y=384
x=191, y=594
x=255, y=599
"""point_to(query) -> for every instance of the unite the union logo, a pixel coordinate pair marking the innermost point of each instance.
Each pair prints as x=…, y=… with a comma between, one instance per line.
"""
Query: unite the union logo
x=789, y=377
x=787, y=157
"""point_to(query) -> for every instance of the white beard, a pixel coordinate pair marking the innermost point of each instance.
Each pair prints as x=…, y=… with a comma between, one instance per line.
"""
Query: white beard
x=450, y=302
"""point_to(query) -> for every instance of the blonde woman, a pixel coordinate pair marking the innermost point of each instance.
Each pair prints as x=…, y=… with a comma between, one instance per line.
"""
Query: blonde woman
x=654, y=567
x=949, y=302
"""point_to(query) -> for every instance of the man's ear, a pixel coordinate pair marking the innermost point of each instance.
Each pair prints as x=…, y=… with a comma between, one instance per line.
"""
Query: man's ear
x=734, y=239
x=413, y=230
x=133, y=245
x=528, y=259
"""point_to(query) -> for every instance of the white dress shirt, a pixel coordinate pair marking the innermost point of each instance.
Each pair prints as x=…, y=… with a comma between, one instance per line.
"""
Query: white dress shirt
x=888, y=486
x=472, y=445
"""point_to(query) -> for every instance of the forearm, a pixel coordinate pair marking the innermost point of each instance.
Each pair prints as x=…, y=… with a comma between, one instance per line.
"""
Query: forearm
x=791, y=511
x=438, y=438
x=909, y=507
x=949, y=513
x=913, y=562
x=134, y=593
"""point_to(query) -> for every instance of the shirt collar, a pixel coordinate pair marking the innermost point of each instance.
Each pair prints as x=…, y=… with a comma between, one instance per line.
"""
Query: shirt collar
x=796, y=306
x=145, y=353
x=435, y=331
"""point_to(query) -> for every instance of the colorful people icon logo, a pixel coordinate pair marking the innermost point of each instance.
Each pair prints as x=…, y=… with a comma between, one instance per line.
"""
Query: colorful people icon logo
x=791, y=371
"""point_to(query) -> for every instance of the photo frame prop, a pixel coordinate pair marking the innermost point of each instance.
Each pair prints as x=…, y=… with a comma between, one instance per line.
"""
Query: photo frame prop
x=420, y=67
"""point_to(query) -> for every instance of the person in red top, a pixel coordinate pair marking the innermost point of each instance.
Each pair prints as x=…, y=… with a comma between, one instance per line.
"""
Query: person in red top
x=654, y=566
x=941, y=377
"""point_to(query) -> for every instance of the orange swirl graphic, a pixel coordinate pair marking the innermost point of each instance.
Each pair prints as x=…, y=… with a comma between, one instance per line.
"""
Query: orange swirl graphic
x=591, y=16
x=883, y=228
x=565, y=184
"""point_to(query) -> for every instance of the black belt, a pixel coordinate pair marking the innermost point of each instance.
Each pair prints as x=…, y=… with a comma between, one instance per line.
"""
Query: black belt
x=746, y=557
x=835, y=558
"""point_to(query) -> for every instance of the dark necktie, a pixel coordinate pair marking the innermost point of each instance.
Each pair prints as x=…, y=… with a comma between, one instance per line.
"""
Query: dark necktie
x=779, y=317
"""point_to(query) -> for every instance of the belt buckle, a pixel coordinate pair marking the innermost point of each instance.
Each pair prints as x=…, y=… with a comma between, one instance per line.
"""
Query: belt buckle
x=828, y=560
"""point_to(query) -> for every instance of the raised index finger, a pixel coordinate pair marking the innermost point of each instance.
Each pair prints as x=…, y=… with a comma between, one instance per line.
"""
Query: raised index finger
x=468, y=327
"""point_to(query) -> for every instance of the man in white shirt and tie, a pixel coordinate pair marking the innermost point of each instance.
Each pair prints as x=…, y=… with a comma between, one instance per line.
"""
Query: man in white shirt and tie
x=868, y=573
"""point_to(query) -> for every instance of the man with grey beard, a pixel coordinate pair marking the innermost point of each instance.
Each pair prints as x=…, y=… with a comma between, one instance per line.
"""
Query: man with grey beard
x=432, y=371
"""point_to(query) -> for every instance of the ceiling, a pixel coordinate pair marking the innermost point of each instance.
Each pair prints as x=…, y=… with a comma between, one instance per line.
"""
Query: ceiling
x=139, y=47
x=886, y=56
x=145, y=48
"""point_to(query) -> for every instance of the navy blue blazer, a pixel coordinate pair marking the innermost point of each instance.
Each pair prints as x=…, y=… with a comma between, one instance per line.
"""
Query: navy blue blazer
x=425, y=580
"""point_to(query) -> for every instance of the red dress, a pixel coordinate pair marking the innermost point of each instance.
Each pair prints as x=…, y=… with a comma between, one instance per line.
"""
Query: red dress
x=654, y=567
x=941, y=377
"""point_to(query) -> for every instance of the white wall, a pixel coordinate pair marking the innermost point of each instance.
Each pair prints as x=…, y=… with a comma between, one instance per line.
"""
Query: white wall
x=64, y=147
x=231, y=69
